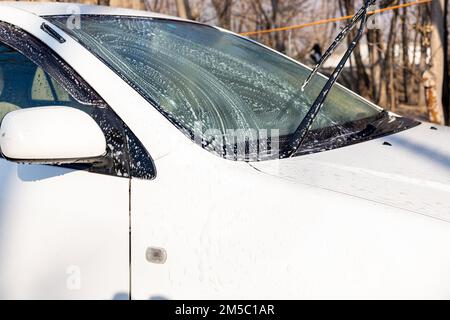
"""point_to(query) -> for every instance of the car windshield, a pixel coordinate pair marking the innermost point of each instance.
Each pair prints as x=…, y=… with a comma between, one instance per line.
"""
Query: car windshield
x=211, y=82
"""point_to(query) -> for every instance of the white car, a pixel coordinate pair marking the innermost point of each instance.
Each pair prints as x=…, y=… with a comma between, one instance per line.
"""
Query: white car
x=141, y=159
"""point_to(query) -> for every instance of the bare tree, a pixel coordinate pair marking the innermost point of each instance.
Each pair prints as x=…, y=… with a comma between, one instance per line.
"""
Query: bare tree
x=364, y=81
x=274, y=14
x=184, y=9
x=103, y=2
x=223, y=11
x=405, y=55
x=390, y=64
x=435, y=77
x=408, y=62
x=376, y=58
x=446, y=86
x=268, y=17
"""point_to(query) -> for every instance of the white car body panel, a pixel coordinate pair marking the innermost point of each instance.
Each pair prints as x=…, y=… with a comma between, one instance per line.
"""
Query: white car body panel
x=412, y=174
x=232, y=232
x=307, y=227
x=63, y=234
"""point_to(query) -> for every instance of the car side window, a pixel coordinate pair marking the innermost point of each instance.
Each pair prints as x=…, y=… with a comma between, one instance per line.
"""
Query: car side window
x=31, y=75
x=23, y=84
x=45, y=88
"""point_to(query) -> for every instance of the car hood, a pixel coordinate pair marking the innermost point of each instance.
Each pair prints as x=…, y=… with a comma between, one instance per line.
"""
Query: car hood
x=408, y=170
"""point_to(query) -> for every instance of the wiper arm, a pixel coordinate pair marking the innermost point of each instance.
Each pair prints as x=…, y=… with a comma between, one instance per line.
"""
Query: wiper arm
x=337, y=41
x=304, y=127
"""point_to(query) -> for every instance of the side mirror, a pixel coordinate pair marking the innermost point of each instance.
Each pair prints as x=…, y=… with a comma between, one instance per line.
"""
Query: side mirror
x=51, y=135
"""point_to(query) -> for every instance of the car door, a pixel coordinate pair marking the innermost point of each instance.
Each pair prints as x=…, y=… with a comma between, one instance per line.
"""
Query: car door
x=64, y=230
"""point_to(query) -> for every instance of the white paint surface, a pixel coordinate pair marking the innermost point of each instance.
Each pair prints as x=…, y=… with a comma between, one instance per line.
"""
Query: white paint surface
x=51, y=133
x=365, y=221
x=233, y=232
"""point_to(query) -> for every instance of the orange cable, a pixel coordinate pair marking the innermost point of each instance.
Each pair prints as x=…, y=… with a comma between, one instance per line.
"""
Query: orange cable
x=319, y=22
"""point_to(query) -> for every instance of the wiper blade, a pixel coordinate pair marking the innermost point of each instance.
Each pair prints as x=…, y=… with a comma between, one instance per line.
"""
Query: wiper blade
x=337, y=41
x=304, y=127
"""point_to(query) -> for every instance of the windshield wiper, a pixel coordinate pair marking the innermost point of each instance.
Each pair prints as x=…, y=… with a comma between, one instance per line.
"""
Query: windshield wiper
x=302, y=130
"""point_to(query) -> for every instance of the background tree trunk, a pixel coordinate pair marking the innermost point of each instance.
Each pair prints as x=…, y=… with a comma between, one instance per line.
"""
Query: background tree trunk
x=279, y=38
x=375, y=49
x=446, y=86
x=223, y=11
x=364, y=81
x=405, y=55
x=103, y=2
x=435, y=79
x=424, y=46
x=391, y=81
x=184, y=9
